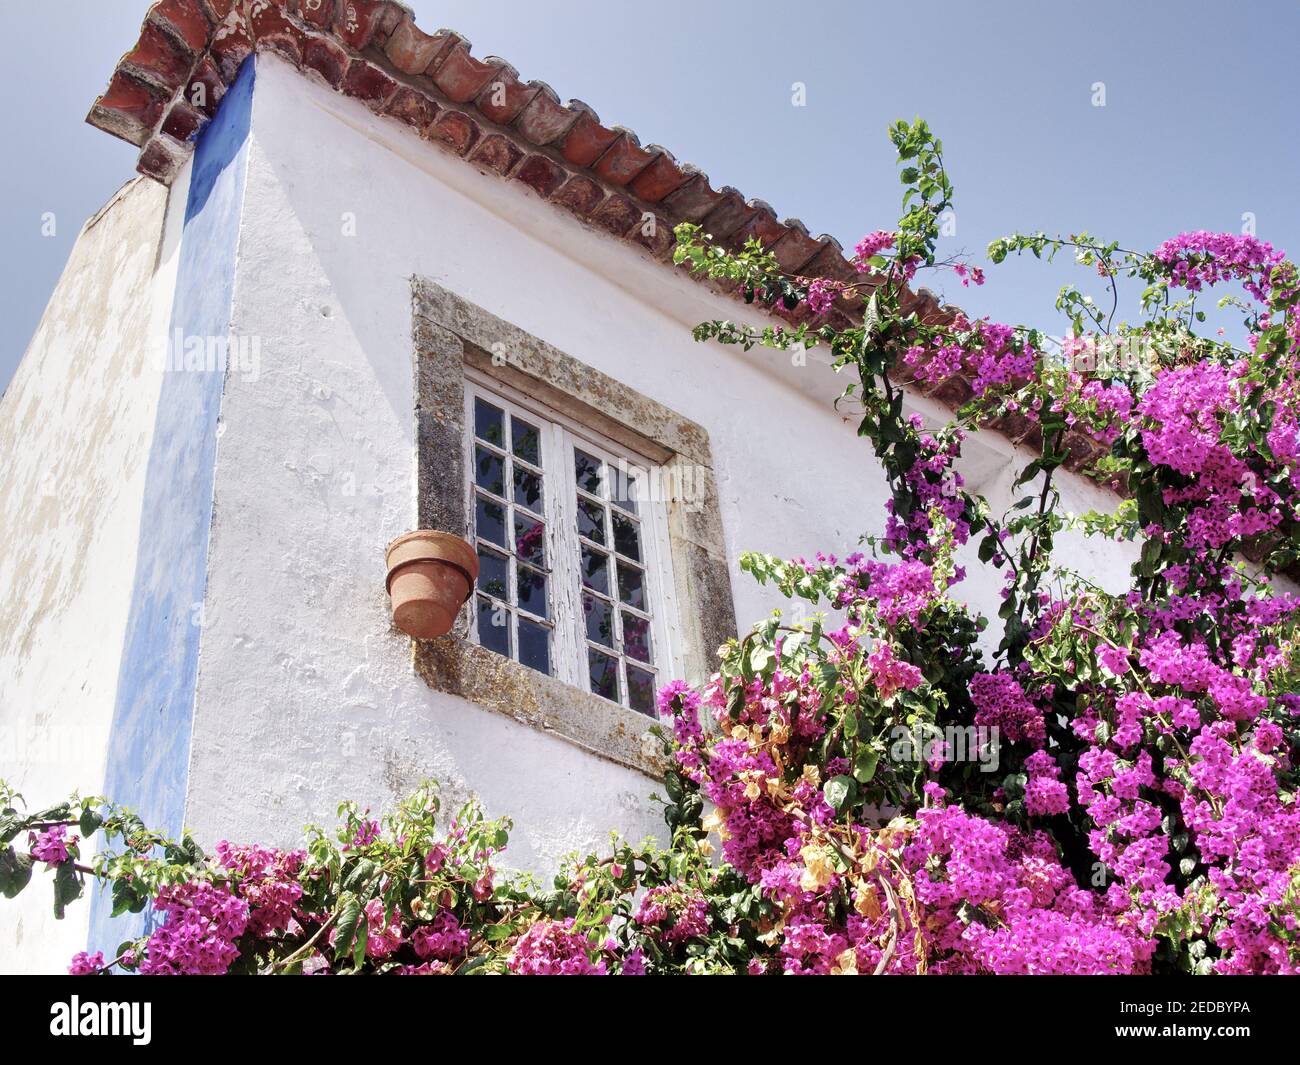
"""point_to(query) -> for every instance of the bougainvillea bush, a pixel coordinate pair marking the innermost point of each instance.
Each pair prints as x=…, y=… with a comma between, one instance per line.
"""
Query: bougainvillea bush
x=1087, y=783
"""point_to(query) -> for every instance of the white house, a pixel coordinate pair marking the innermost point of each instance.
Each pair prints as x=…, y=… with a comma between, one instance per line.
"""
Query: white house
x=369, y=283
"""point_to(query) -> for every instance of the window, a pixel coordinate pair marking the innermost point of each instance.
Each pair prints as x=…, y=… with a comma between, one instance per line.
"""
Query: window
x=652, y=531
x=572, y=546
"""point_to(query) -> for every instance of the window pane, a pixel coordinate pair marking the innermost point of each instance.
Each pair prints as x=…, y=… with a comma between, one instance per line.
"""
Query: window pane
x=534, y=646
x=489, y=471
x=603, y=672
x=641, y=690
x=492, y=574
x=493, y=631
x=490, y=521
x=631, y=585
x=587, y=470
x=600, y=619
x=595, y=572
x=532, y=591
x=591, y=520
x=530, y=539
x=625, y=491
x=528, y=489
x=489, y=423
x=627, y=537
x=527, y=441
x=636, y=637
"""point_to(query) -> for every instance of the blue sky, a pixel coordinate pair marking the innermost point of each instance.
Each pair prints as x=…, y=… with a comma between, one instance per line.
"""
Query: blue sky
x=1198, y=126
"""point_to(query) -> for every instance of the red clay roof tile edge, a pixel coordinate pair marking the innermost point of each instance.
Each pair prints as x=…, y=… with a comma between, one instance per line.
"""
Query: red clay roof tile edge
x=563, y=152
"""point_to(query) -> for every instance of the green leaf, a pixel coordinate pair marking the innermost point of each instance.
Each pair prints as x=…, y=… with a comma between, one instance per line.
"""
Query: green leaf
x=673, y=785
x=494, y=933
x=11, y=823
x=15, y=872
x=840, y=792
x=90, y=822
x=345, y=924
x=864, y=765
x=126, y=899
x=359, y=947
x=67, y=888
x=360, y=875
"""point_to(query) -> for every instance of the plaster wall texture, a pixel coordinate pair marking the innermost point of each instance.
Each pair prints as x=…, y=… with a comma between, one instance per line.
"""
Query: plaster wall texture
x=149, y=742
x=305, y=694
x=76, y=428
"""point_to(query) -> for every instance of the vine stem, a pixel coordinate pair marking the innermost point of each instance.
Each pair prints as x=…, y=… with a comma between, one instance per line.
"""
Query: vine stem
x=306, y=946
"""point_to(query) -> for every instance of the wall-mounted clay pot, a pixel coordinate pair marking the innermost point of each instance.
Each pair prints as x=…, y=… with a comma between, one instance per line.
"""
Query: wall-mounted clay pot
x=430, y=576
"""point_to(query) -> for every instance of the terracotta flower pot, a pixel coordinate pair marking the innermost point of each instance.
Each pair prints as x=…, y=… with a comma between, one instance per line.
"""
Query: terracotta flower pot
x=430, y=576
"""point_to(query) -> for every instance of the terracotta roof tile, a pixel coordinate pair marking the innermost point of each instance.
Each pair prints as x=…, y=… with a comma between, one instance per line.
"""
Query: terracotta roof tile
x=497, y=153
x=580, y=195
x=729, y=215
x=219, y=9
x=206, y=88
x=162, y=157
x=416, y=109
x=186, y=21
x=541, y=174
x=366, y=82
x=456, y=130
x=694, y=198
x=617, y=215
x=478, y=108
x=158, y=58
x=130, y=108
x=183, y=121
x=796, y=249
x=661, y=177
x=272, y=28
x=232, y=43
x=624, y=160
x=357, y=21
x=326, y=57
x=587, y=140
x=655, y=233
x=460, y=76
x=762, y=224
x=319, y=13
x=504, y=98
x=413, y=51
x=543, y=118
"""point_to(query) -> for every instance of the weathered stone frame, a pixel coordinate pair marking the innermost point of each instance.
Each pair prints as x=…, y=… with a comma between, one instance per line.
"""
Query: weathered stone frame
x=451, y=333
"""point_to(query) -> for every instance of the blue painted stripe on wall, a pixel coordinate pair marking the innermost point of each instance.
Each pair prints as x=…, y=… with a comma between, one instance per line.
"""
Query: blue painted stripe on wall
x=149, y=744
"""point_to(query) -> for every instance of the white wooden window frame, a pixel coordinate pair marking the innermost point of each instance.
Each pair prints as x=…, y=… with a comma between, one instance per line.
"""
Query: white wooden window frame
x=560, y=436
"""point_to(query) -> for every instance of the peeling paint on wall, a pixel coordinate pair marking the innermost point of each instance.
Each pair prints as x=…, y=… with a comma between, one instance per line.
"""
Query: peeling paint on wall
x=75, y=430
x=149, y=745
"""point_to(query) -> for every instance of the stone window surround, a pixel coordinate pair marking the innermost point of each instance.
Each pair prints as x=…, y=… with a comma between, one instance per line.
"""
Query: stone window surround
x=451, y=333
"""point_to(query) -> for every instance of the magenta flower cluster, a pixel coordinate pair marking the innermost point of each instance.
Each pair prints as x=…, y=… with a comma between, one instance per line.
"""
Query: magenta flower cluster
x=555, y=948
x=51, y=845
x=202, y=922
x=673, y=914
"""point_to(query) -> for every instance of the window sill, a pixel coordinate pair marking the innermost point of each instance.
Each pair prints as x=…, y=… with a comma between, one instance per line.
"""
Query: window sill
x=456, y=666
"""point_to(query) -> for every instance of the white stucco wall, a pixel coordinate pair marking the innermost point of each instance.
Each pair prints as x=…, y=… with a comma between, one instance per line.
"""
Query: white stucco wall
x=305, y=696
x=75, y=431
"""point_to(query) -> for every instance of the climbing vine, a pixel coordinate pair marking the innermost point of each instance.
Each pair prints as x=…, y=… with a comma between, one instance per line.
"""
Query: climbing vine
x=1089, y=782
